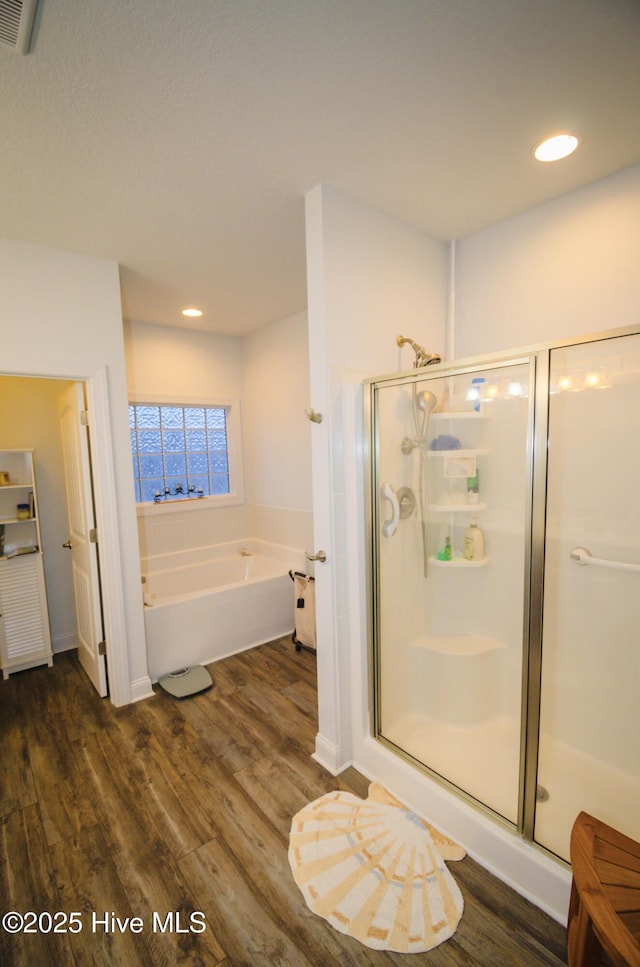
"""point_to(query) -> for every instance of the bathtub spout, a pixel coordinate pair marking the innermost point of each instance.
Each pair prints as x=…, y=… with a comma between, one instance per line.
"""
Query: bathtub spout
x=245, y=553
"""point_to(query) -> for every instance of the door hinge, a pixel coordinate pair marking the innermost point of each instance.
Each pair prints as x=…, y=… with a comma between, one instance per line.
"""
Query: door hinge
x=93, y=535
x=102, y=647
x=84, y=418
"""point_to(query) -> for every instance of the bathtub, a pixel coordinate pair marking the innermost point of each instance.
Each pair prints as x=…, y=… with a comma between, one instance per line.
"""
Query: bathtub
x=211, y=602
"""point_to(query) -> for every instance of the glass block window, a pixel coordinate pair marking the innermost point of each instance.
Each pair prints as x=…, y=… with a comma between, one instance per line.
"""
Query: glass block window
x=179, y=452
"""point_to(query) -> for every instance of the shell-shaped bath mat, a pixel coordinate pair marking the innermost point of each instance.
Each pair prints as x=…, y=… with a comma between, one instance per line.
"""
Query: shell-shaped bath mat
x=375, y=870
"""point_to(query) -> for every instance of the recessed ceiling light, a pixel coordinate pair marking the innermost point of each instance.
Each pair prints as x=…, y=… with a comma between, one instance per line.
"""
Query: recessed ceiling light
x=556, y=147
x=193, y=313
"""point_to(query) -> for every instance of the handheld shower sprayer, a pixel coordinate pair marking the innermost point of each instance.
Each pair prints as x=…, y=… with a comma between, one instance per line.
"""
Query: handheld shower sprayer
x=426, y=401
x=423, y=358
x=423, y=405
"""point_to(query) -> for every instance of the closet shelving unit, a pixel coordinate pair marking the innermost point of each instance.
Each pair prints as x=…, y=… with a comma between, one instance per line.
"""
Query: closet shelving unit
x=25, y=638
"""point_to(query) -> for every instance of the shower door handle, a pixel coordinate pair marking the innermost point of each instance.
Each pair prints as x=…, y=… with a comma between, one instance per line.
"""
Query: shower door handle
x=389, y=527
x=582, y=556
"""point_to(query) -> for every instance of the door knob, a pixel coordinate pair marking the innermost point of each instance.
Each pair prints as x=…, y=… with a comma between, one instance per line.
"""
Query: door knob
x=320, y=556
x=68, y=545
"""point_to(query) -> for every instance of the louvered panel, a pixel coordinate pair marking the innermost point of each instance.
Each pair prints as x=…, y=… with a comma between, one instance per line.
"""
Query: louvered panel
x=21, y=590
x=16, y=23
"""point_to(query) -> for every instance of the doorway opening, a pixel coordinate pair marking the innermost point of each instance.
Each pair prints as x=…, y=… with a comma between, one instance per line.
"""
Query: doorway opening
x=117, y=644
x=44, y=415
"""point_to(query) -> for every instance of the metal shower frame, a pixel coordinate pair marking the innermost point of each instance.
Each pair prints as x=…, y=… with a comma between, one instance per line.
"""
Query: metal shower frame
x=539, y=359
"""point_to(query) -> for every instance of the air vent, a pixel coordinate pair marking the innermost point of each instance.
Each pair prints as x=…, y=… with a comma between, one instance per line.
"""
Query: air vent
x=16, y=23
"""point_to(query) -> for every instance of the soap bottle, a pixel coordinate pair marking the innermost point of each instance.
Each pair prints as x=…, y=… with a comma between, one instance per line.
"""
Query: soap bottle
x=445, y=553
x=447, y=548
x=473, y=542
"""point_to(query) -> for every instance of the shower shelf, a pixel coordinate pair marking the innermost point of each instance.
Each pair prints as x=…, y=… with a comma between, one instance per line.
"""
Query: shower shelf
x=458, y=415
x=457, y=508
x=459, y=562
x=457, y=453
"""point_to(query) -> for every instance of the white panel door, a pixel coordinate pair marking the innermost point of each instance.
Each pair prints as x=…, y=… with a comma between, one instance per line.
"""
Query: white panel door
x=84, y=552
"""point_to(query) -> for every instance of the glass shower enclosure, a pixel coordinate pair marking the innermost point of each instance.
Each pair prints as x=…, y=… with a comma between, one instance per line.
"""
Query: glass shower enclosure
x=505, y=660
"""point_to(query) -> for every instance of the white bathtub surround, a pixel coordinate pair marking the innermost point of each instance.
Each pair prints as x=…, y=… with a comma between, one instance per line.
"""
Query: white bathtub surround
x=165, y=529
x=208, y=603
x=281, y=525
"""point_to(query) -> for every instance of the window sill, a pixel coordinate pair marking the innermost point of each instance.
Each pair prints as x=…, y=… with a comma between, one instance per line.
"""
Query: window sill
x=188, y=505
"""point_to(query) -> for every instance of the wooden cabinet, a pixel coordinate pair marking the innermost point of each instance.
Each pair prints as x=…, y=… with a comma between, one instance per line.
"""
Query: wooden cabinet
x=25, y=638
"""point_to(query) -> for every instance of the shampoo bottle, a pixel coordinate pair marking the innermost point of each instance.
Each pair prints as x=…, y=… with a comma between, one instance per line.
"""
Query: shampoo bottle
x=473, y=542
x=473, y=487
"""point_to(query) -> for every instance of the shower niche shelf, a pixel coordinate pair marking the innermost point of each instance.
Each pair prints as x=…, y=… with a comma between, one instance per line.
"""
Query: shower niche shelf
x=459, y=562
x=458, y=415
x=457, y=508
x=457, y=453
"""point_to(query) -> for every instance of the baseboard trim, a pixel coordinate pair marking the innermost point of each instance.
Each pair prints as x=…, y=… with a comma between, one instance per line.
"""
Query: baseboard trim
x=328, y=755
x=141, y=688
x=62, y=643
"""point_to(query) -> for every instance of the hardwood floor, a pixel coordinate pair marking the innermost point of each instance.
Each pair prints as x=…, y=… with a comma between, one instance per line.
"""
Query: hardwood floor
x=178, y=813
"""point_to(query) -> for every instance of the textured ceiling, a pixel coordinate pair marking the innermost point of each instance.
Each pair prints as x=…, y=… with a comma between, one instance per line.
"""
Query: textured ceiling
x=178, y=137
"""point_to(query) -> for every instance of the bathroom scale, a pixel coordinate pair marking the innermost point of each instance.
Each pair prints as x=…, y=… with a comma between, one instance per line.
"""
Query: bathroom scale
x=186, y=681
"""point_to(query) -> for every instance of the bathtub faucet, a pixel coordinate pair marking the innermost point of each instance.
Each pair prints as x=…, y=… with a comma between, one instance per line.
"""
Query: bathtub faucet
x=179, y=492
x=245, y=553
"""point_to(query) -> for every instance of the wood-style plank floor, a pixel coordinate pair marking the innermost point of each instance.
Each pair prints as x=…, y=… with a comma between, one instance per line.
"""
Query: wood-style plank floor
x=177, y=813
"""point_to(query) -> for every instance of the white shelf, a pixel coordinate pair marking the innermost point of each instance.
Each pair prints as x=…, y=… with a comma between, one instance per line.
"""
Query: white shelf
x=463, y=645
x=457, y=508
x=17, y=520
x=459, y=562
x=15, y=557
x=458, y=415
x=456, y=453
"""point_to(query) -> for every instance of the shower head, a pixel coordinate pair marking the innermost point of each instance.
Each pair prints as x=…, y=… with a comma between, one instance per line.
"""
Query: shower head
x=423, y=358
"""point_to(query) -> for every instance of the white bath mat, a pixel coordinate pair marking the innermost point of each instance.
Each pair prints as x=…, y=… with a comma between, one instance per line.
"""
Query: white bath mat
x=186, y=681
x=375, y=870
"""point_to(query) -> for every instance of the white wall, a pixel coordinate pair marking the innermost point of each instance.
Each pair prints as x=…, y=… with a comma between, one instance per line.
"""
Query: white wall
x=28, y=420
x=61, y=315
x=381, y=278
x=183, y=364
x=267, y=372
x=564, y=269
x=178, y=362
x=370, y=278
x=277, y=433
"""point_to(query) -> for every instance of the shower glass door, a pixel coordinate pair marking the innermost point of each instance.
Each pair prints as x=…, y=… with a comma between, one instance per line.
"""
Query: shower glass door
x=452, y=451
x=589, y=752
